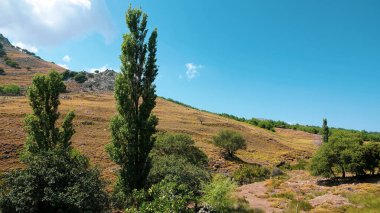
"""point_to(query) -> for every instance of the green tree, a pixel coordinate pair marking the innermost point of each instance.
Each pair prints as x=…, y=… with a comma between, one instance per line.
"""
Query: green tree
x=133, y=128
x=341, y=154
x=57, y=178
x=325, y=131
x=230, y=141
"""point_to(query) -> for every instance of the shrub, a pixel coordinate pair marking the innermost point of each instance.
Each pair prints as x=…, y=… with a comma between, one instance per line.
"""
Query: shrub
x=11, y=63
x=250, y=173
x=230, y=141
x=80, y=77
x=181, y=146
x=2, y=72
x=165, y=196
x=53, y=182
x=10, y=90
x=218, y=195
x=176, y=169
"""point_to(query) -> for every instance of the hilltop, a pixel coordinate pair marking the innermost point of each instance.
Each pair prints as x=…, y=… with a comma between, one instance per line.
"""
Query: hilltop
x=20, y=65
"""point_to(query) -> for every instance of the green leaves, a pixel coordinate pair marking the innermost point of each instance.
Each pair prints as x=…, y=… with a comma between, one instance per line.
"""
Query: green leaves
x=43, y=135
x=133, y=128
x=230, y=141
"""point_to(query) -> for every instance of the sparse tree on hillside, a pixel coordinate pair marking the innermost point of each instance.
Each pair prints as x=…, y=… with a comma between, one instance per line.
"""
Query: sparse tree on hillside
x=133, y=128
x=325, y=131
x=230, y=141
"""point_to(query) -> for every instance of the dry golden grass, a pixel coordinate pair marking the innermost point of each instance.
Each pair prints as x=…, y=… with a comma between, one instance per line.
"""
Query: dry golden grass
x=92, y=132
x=23, y=76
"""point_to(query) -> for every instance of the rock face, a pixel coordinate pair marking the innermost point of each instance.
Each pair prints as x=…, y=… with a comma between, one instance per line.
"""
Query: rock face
x=99, y=81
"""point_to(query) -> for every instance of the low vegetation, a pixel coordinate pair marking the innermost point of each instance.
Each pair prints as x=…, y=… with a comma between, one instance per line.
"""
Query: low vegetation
x=10, y=90
x=247, y=174
x=11, y=63
x=2, y=72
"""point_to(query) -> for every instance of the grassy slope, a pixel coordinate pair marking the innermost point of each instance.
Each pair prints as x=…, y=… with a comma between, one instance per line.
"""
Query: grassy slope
x=23, y=76
x=92, y=132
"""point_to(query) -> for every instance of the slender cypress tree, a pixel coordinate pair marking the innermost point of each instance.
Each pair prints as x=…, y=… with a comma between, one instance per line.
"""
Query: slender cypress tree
x=133, y=128
x=325, y=131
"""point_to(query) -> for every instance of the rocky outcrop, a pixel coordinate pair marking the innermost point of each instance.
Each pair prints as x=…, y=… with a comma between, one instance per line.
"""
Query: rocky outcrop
x=99, y=81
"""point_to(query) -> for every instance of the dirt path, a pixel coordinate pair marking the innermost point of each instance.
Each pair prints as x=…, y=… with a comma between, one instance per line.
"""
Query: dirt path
x=255, y=194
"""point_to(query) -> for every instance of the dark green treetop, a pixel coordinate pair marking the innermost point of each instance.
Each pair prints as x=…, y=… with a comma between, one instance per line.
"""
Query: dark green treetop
x=325, y=131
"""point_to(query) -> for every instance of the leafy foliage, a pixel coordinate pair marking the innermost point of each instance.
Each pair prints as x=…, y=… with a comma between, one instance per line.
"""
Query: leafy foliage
x=54, y=181
x=230, y=141
x=133, y=128
x=219, y=194
x=80, y=77
x=10, y=90
x=56, y=178
x=251, y=173
x=345, y=154
x=181, y=146
x=325, y=131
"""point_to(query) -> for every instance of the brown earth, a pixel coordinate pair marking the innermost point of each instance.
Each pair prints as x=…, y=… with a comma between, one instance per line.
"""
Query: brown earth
x=29, y=64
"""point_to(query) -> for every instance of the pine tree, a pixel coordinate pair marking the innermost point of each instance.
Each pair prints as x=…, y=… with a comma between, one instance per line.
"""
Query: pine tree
x=325, y=131
x=133, y=128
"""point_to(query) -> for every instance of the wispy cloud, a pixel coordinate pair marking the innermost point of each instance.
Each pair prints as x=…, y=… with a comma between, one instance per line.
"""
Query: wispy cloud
x=192, y=70
x=66, y=58
x=48, y=22
x=28, y=47
x=64, y=66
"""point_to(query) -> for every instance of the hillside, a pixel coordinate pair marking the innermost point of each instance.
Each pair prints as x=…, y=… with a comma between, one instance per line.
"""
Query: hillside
x=25, y=64
x=92, y=132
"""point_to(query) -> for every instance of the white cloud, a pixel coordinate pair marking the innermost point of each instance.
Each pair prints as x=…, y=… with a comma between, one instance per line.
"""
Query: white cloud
x=66, y=59
x=64, y=66
x=192, y=70
x=49, y=22
x=101, y=69
x=28, y=47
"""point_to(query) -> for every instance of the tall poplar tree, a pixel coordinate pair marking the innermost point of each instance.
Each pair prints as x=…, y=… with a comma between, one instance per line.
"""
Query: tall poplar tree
x=325, y=131
x=56, y=178
x=133, y=128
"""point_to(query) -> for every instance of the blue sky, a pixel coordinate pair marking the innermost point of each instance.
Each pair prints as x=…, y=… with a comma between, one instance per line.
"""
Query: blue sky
x=297, y=61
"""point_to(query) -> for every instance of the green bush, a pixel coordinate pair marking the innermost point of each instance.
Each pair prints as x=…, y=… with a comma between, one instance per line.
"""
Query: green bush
x=80, y=77
x=11, y=63
x=2, y=72
x=218, y=195
x=54, y=182
x=251, y=173
x=10, y=90
x=230, y=141
x=165, y=196
x=181, y=146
